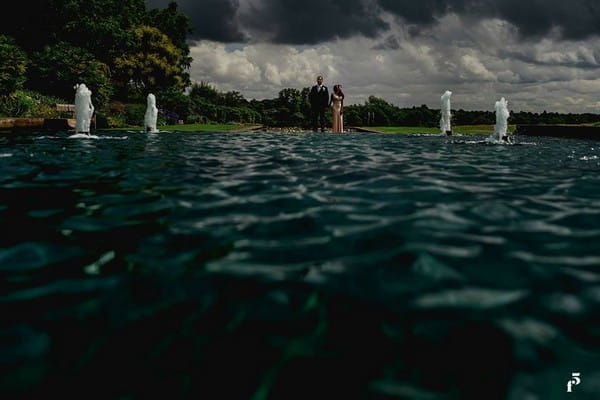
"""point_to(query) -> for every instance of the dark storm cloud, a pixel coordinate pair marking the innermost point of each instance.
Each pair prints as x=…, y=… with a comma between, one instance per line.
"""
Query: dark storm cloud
x=210, y=19
x=313, y=21
x=279, y=21
x=575, y=19
x=316, y=21
x=389, y=43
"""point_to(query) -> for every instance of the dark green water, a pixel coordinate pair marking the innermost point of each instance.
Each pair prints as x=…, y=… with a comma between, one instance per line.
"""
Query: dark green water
x=278, y=266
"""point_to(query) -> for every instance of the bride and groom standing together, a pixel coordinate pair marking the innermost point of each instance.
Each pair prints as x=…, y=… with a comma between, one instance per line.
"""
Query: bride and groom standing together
x=320, y=101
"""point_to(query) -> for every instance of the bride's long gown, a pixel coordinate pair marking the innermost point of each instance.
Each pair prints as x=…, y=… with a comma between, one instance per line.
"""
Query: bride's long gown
x=338, y=118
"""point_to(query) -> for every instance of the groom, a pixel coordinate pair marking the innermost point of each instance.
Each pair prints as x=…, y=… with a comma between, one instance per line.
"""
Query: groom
x=319, y=100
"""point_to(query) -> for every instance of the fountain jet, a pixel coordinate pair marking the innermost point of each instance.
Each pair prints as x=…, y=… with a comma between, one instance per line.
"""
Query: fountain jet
x=84, y=109
x=151, y=114
x=445, y=120
x=502, y=114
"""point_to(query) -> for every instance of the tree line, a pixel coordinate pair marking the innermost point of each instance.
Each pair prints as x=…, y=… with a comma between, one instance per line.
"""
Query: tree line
x=118, y=48
x=122, y=51
x=291, y=108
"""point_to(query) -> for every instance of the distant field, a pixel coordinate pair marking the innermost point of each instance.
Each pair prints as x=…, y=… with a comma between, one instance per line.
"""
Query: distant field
x=207, y=127
x=480, y=128
x=466, y=129
x=198, y=127
x=401, y=129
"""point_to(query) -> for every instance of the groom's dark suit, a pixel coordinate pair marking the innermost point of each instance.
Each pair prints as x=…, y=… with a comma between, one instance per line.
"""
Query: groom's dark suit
x=319, y=100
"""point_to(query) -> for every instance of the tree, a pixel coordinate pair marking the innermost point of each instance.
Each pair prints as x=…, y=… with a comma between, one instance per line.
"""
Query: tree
x=28, y=22
x=234, y=99
x=151, y=63
x=204, y=90
x=13, y=66
x=173, y=100
x=100, y=26
x=293, y=108
x=56, y=69
x=380, y=110
x=103, y=27
x=352, y=116
x=175, y=25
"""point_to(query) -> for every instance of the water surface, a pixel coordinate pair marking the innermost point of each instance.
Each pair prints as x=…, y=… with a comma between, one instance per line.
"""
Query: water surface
x=276, y=266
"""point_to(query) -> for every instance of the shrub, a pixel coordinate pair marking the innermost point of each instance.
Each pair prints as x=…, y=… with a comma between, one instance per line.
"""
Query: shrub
x=27, y=103
x=197, y=119
x=134, y=114
x=174, y=101
x=13, y=66
x=56, y=69
x=16, y=104
x=104, y=120
x=116, y=108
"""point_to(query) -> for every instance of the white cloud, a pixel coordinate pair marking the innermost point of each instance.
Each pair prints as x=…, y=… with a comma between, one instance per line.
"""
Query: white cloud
x=272, y=74
x=475, y=69
x=213, y=63
x=479, y=61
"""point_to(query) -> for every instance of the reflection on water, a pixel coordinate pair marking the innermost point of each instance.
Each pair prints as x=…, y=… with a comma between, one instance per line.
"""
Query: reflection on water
x=276, y=266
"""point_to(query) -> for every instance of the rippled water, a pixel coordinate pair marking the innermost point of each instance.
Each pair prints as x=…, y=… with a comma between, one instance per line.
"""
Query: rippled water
x=275, y=266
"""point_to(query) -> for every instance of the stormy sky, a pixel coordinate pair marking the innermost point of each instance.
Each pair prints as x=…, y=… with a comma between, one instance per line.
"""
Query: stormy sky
x=539, y=55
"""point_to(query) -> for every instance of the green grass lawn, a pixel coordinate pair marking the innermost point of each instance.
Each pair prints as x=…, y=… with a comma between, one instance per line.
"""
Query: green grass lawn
x=207, y=127
x=465, y=129
x=401, y=129
x=197, y=127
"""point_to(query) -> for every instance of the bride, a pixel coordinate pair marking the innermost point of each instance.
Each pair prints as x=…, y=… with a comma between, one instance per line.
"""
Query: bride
x=337, y=105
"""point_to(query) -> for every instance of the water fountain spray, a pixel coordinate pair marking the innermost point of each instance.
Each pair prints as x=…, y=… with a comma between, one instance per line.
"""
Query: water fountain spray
x=151, y=114
x=84, y=109
x=446, y=115
x=500, y=129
